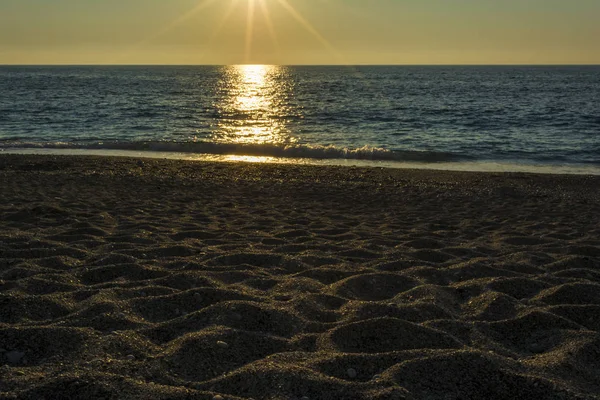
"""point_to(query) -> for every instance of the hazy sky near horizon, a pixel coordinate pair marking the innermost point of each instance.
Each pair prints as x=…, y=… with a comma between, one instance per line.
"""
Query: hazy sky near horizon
x=299, y=31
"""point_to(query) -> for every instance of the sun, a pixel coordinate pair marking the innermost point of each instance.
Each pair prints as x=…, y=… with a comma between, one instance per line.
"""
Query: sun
x=253, y=8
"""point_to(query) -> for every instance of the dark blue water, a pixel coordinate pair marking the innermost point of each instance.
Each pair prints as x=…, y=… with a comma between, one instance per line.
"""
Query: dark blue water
x=545, y=115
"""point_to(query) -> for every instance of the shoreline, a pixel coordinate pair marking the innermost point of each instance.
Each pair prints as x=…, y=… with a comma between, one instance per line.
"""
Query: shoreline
x=147, y=278
x=465, y=166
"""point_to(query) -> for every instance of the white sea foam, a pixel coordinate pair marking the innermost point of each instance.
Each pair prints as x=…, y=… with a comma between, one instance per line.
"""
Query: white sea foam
x=309, y=151
x=476, y=166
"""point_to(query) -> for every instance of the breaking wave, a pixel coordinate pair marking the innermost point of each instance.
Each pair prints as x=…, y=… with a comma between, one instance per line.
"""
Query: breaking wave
x=265, y=150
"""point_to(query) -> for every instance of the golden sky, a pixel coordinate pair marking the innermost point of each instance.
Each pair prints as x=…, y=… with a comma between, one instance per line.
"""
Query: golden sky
x=299, y=31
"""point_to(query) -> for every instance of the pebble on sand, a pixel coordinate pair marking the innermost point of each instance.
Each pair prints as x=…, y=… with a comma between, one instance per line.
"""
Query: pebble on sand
x=351, y=373
x=222, y=344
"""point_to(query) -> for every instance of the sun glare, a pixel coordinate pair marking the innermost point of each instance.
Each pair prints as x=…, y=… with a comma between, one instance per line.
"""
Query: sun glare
x=251, y=107
x=252, y=82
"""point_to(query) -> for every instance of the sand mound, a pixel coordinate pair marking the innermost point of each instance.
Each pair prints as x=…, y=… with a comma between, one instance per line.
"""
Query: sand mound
x=177, y=280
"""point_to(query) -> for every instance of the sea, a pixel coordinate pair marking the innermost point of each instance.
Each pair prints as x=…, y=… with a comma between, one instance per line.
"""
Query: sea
x=500, y=118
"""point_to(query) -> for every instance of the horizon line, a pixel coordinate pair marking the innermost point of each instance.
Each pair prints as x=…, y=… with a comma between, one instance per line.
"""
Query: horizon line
x=304, y=65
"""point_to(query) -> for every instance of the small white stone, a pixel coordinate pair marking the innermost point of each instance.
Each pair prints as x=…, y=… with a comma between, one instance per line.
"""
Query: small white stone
x=218, y=397
x=222, y=344
x=351, y=373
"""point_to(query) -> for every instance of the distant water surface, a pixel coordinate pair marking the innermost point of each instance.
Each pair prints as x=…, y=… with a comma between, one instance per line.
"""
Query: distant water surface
x=531, y=115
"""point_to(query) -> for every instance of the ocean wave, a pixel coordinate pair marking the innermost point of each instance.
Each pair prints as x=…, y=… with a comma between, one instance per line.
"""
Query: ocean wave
x=243, y=149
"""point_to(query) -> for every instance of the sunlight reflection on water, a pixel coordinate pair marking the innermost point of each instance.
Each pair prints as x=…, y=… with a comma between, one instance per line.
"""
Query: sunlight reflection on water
x=253, y=107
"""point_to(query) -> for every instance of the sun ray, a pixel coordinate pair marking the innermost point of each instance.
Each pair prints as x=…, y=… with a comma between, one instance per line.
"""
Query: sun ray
x=124, y=54
x=308, y=26
x=270, y=26
x=249, y=31
x=223, y=20
x=186, y=16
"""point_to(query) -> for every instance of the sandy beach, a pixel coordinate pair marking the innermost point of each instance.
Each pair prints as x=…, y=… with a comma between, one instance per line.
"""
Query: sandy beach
x=152, y=279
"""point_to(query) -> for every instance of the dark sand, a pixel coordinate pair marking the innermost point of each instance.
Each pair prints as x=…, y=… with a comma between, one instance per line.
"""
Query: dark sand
x=155, y=279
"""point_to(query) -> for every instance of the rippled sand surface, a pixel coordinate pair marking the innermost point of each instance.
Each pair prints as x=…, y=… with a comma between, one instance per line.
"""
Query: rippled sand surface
x=122, y=278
